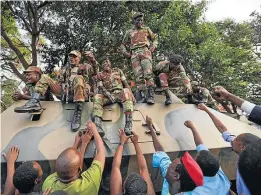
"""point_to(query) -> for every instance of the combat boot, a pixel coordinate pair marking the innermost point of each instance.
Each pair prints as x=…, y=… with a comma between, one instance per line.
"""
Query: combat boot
x=76, y=123
x=97, y=120
x=141, y=98
x=168, y=99
x=192, y=100
x=150, y=99
x=33, y=105
x=128, y=124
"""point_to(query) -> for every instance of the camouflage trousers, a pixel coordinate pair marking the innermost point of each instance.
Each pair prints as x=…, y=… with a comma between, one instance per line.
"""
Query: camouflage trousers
x=165, y=82
x=78, y=87
x=141, y=61
x=122, y=96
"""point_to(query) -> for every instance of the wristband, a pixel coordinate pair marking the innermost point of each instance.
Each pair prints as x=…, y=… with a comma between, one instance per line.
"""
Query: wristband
x=121, y=144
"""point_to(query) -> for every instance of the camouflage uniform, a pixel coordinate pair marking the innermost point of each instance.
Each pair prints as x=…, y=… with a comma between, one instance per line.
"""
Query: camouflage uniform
x=175, y=77
x=30, y=88
x=204, y=96
x=112, y=82
x=139, y=41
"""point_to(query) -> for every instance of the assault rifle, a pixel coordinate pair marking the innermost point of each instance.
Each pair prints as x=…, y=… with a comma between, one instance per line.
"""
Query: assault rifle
x=105, y=92
x=67, y=84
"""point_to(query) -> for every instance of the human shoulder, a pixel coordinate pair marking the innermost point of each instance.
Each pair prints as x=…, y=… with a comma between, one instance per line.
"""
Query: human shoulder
x=49, y=181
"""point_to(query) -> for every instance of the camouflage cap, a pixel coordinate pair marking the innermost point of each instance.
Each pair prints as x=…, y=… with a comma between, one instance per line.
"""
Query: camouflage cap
x=76, y=53
x=33, y=69
x=137, y=14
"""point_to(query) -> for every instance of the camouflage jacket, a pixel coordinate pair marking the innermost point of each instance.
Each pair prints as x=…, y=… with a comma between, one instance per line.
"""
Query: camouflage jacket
x=29, y=89
x=204, y=95
x=86, y=70
x=136, y=38
x=111, y=81
x=177, y=72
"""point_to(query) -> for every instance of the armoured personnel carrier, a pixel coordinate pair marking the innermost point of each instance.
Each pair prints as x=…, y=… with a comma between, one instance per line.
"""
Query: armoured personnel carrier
x=42, y=137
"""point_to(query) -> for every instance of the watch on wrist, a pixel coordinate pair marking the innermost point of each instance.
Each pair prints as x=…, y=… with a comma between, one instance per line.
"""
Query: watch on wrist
x=121, y=144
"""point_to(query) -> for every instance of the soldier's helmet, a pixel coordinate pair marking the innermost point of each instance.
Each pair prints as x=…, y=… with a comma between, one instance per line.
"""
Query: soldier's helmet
x=176, y=59
x=76, y=53
x=137, y=14
x=33, y=69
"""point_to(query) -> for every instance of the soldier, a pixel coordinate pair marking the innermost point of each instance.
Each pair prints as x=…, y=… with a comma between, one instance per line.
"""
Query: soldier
x=73, y=79
x=33, y=75
x=138, y=40
x=113, y=88
x=172, y=73
x=202, y=95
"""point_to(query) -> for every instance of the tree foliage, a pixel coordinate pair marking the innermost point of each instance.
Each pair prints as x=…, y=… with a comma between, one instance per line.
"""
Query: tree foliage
x=215, y=53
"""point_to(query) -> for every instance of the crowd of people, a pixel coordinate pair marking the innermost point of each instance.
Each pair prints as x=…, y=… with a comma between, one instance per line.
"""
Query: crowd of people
x=200, y=175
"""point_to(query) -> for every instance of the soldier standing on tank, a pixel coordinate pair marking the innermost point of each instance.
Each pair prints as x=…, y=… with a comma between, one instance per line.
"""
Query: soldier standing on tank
x=113, y=88
x=172, y=73
x=73, y=76
x=142, y=42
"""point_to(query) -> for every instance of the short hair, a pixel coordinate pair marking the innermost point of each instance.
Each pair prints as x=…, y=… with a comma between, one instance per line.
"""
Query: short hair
x=208, y=163
x=248, y=138
x=176, y=59
x=59, y=192
x=186, y=182
x=135, y=185
x=249, y=165
x=24, y=177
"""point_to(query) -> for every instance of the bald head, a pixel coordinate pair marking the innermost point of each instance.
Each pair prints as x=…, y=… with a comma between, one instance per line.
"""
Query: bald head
x=68, y=164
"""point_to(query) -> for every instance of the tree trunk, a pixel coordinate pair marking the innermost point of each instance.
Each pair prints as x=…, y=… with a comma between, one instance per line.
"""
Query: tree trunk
x=34, y=51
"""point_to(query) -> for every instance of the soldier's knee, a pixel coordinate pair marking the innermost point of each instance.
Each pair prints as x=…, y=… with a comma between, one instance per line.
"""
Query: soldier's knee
x=126, y=94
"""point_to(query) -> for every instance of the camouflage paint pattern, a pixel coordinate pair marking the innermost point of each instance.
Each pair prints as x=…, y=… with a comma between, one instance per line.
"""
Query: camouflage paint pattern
x=205, y=96
x=175, y=77
x=139, y=40
x=53, y=127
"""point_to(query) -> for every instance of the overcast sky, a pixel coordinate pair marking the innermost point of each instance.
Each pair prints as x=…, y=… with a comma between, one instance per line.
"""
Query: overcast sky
x=238, y=10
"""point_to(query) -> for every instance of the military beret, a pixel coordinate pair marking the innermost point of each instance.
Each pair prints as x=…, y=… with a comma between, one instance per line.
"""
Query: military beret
x=76, y=53
x=137, y=14
x=33, y=69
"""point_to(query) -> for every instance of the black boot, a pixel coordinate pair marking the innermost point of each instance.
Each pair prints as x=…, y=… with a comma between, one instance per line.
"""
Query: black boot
x=128, y=124
x=150, y=99
x=141, y=98
x=33, y=105
x=97, y=120
x=192, y=100
x=76, y=123
x=168, y=99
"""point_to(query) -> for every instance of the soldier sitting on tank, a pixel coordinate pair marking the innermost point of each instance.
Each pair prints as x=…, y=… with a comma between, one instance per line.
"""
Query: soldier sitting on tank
x=33, y=75
x=71, y=86
x=112, y=88
x=201, y=95
x=172, y=74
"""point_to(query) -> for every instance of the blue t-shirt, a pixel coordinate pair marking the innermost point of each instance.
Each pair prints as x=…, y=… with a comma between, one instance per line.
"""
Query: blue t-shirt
x=161, y=160
x=241, y=186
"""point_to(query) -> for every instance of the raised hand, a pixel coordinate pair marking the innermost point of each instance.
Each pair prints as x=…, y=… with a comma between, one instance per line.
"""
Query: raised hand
x=149, y=121
x=202, y=107
x=12, y=154
x=189, y=124
x=221, y=93
x=123, y=137
x=134, y=138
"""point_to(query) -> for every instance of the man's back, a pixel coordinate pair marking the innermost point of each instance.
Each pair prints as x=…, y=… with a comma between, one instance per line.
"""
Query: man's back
x=87, y=183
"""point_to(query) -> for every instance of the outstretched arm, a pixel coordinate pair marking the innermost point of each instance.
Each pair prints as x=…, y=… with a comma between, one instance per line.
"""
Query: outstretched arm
x=116, y=179
x=85, y=139
x=197, y=138
x=156, y=142
x=10, y=158
x=143, y=168
x=220, y=126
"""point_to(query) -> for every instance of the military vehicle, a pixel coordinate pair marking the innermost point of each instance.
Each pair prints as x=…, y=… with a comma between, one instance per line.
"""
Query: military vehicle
x=42, y=137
